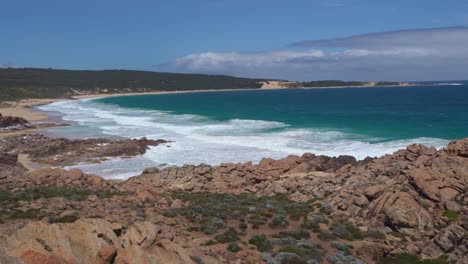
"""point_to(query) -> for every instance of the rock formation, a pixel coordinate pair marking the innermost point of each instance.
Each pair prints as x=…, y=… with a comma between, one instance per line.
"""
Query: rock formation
x=8, y=121
x=13, y=123
x=65, y=152
x=412, y=204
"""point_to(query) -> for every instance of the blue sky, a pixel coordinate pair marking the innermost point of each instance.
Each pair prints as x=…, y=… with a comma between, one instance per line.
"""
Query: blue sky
x=245, y=38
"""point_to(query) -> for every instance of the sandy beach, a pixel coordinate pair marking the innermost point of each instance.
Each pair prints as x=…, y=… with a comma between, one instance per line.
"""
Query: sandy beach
x=26, y=107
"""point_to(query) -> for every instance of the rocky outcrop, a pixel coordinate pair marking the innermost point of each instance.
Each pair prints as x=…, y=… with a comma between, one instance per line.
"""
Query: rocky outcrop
x=65, y=152
x=407, y=193
x=11, y=121
x=8, y=159
x=14, y=123
x=266, y=178
x=93, y=241
x=414, y=201
x=458, y=148
x=401, y=210
x=74, y=178
x=11, y=171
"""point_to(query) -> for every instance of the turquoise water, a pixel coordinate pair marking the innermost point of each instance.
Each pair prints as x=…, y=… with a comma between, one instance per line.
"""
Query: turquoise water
x=380, y=114
x=217, y=127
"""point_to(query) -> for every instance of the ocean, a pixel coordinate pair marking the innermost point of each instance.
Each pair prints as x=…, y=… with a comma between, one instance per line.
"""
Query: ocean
x=240, y=126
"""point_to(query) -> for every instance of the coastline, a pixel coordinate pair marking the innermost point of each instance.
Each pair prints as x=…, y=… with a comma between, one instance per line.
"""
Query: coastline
x=26, y=108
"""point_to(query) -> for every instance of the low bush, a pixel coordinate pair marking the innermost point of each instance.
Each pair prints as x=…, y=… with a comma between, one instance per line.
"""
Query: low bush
x=296, y=234
x=234, y=247
x=230, y=235
x=64, y=219
x=261, y=243
x=346, y=231
x=451, y=215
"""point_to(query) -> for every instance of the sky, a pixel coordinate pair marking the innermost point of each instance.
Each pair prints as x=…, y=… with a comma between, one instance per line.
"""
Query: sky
x=399, y=40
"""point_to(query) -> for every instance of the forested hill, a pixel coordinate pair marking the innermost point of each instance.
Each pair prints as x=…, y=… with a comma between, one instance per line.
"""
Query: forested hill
x=18, y=83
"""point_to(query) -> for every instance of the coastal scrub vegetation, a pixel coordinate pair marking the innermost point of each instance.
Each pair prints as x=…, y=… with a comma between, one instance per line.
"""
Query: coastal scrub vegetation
x=261, y=242
x=451, y=215
x=20, y=83
x=256, y=210
x=50, y=192
x=10, y=202
x=64, y=219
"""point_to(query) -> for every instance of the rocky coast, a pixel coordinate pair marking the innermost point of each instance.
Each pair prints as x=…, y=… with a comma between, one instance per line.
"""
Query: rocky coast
x=407, y=207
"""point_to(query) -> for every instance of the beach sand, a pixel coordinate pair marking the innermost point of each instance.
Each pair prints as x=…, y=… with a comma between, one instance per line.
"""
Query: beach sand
x=25, y=109
x=28, y=164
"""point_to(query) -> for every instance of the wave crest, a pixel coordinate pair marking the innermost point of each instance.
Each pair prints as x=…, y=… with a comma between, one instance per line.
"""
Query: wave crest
x=198, y=139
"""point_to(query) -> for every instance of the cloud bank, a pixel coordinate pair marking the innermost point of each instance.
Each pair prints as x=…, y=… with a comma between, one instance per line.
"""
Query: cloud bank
x=417, y=54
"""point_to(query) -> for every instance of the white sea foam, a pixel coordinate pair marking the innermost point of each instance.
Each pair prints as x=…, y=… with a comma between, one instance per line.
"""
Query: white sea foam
x=456, y=84
x=198, y=139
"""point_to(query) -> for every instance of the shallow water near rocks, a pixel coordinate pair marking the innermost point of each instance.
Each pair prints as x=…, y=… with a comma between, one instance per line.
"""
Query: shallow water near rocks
x=240, y=126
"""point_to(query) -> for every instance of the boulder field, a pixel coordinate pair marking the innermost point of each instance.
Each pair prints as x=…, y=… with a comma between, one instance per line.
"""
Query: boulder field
x=407, y=207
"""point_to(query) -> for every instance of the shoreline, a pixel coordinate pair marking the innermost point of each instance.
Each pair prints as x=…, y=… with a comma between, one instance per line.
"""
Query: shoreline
x=26, y=108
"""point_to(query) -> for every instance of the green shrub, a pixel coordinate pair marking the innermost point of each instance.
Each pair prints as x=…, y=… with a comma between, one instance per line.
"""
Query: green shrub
x=341, y=246
x=4, y=195
x=64, y=219
x=295, y=250
x=234, y=247
x=244, y=206
x=451, y=215
x=296, y=234
x=257, y=221
x=193, y=229
x=294, y=260
x=325, y=235
x=228, y=236
x=28, y=214
x=261, y=242
x=375, y=234
x=346, y=231
x=315, y=227
x=279, y=221
x=210, y=242
x=170, y=213
x=305, y=252
x=51, y=192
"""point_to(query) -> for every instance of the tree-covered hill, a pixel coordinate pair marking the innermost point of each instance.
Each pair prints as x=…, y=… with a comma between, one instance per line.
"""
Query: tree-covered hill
x=18, y=83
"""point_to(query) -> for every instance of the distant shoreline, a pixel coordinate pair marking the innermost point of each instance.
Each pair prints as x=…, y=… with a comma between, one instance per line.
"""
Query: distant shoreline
x=92, y=96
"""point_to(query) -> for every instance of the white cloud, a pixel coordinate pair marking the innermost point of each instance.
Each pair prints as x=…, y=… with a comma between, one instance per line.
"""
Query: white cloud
x=433, y=37
x=425, y=54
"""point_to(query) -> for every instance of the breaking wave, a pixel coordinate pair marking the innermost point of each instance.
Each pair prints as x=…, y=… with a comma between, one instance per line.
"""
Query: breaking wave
x=198, y=139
